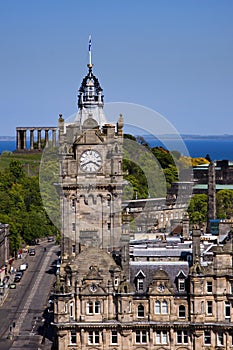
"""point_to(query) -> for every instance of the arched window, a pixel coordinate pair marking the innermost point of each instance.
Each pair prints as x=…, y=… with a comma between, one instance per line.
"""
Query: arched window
x=141, y=310
x=182, y=311
x=157, y=307
x=164, y=307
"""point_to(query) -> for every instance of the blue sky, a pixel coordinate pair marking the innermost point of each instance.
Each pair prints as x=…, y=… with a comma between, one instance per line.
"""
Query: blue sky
x=175, y=57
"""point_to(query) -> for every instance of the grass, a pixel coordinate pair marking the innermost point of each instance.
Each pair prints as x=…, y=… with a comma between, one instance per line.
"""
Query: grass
x=30, y=161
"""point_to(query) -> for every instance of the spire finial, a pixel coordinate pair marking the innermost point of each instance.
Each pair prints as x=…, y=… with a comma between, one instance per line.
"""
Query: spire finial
x=89, y=50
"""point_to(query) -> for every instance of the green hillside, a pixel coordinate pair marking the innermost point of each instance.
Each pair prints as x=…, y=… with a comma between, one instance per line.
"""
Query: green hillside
x=30, y=161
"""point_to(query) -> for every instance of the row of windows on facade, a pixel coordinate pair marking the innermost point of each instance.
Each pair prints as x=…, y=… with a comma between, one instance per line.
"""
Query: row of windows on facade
x=180, y=285
x=160, y=337
x=208, y=307
x=209, y=287
x=159, y=308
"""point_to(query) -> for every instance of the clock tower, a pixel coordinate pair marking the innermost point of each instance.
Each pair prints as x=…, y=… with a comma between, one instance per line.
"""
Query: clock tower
x=90, y=181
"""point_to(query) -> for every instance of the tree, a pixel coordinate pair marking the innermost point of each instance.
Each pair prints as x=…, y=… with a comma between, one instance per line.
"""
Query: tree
x=198, y=209
x=16, y=170
x=224, y=204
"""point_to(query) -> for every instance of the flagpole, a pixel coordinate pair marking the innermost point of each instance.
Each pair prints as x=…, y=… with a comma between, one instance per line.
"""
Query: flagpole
x=89, y=49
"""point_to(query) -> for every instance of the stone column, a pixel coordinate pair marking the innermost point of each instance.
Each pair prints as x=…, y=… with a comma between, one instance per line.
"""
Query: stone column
x=211, y=194
x=185, y=224
x=17, y=139
x=31, y=139
x=46, y=137
x=39, y=138
x=54, y=138
x=24, y=139
x=196, y=250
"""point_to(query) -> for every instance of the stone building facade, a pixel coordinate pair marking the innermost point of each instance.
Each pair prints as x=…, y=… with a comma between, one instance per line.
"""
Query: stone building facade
x=163, y=305
x=104, y=298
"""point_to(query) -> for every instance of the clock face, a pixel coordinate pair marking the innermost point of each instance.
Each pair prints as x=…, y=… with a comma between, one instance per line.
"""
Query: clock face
x=93, y=288
x=161, y=288
x=90, y=161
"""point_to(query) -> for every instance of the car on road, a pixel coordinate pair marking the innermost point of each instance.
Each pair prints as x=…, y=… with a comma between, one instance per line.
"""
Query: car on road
x=18, y=276
x=32, y=252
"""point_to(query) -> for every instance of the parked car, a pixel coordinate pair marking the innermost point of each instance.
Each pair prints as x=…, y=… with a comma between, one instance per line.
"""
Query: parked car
x=18, y=276
x=23, y=267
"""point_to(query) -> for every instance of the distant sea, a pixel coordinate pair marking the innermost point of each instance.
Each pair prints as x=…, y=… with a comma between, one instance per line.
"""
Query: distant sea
x=218, y=149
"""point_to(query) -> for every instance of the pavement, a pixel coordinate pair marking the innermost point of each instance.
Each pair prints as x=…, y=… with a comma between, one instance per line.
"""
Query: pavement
x=25, y=333
x=16, y=264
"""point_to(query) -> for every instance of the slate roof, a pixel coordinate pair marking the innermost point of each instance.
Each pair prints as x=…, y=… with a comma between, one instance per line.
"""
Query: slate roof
x=173, y=252
x=149, y=268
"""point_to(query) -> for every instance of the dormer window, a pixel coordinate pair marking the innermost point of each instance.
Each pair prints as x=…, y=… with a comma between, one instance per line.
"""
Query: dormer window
x=140, y=284
x=181, y=281
x=116, y=281
x=181, y=285
x=140, y=277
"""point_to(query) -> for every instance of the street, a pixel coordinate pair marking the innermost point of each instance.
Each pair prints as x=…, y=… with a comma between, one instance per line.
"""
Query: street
x=24, y=315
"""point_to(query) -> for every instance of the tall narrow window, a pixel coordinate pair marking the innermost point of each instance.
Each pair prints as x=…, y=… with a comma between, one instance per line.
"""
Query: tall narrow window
x=73, y=337
x=140, y=284
x=164, y=307
x=181, y=284
x=227, y=310
x=90, y=309
x=116, y=281
x=130, y=306
x=66, y=307
x=179, y=338
x=71, y=310
x=114, y=337
x=207, y=338
x=185, y=337
x=73, y=226
x=140, y=310
x=158, y=337
x=209, y=286
x=220, y=339
x=192, y=307
x=209, y=307
x=182, y=311
x=164, y=337
x=157, y=307
x=97, y=307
